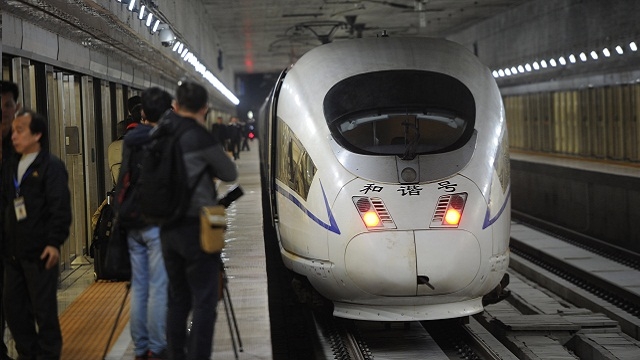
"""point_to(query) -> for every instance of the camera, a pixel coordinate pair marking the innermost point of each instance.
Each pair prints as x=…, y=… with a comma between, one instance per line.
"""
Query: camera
x=231, y=196
x=167, y=37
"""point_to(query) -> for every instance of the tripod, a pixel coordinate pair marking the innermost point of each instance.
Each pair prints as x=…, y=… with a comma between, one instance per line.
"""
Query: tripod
x=228, y=309
x=115, y=324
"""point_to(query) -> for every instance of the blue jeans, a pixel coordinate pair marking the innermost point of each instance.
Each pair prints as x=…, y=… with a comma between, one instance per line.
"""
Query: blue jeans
x=193, y=286
x=149, y=282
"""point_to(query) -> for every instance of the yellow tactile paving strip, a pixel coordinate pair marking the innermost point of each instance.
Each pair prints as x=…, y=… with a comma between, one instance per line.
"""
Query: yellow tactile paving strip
x=86, y=324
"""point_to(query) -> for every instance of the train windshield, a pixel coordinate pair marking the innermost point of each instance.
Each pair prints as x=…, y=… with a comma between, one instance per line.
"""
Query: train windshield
x=403, y=115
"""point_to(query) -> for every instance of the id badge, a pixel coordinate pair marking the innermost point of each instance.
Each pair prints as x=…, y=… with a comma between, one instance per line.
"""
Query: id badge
x=20, y=208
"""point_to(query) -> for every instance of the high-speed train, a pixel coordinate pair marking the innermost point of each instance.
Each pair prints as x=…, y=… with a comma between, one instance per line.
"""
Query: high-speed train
x=386, y=164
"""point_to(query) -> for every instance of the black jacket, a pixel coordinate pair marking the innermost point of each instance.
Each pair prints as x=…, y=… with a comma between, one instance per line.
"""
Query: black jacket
x=48, y=204
x=201, y=152
x=132, y=152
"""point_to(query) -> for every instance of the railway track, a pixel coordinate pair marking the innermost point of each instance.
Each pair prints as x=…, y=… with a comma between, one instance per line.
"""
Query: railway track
x=548, y=315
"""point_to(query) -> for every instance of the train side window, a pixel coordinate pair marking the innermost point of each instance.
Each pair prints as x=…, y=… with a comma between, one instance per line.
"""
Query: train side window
x=295, y=167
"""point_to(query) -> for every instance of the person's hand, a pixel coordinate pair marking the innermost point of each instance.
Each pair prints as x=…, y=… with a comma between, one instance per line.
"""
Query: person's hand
x=52, y=254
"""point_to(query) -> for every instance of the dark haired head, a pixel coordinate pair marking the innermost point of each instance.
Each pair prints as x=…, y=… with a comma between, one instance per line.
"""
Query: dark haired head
x=136, y=114
x=9, y=87
x=38, y=125
x=155, y=102
x=132, y=103
x=192, y=96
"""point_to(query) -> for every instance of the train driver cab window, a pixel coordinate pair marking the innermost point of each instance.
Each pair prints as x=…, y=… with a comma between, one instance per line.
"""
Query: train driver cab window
x=402, y=113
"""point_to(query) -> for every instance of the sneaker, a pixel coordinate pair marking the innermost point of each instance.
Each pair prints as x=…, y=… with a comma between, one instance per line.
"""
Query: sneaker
x=156, y=356
x=142, y=357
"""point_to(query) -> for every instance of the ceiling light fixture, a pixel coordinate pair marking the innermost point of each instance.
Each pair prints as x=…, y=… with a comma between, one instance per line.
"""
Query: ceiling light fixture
x=155, y=26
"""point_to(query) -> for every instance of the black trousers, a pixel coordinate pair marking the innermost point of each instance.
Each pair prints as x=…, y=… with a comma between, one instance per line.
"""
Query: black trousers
x=193, y=286
x=30, y=298
x=234, y=147
x=3, y=347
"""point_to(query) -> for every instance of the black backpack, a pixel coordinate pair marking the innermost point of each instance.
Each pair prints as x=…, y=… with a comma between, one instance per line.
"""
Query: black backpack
x=126, y=199
x=162, y=188
x=109, y=248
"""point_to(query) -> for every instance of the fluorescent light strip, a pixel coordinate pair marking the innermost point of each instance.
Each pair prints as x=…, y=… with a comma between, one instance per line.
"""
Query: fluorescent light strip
x=584, y=56
x=187, y=56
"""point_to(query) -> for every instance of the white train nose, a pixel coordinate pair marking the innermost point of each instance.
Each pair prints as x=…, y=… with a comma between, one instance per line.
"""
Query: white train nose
x=385, y=263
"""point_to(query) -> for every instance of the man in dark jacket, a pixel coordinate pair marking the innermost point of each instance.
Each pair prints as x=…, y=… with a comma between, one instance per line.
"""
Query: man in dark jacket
x=10, y=106
x=234, y=132
x=148, y=315
x=193, y=274
x=219, y=131
x=37, y=215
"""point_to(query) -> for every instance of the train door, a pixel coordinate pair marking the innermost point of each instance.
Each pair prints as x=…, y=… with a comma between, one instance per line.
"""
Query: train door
x=89, y=134
x=63, y=113
x=66, y=122
x=24, y=77
x=107, y=132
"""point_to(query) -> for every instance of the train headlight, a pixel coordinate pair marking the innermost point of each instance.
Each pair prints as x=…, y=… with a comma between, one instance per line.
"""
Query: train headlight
x=374, y=213
x=371, y=219
x=452, y=217
x=449, y=210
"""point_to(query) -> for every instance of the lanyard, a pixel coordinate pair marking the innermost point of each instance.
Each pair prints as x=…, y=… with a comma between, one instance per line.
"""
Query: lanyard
x=16, y=185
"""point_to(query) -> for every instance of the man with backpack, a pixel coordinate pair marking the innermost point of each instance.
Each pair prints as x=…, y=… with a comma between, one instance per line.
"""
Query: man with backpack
x=114, y=151
x=174, y=189
x=149, y=280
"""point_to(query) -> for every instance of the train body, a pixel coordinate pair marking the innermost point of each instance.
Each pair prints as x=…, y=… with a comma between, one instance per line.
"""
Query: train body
x=387, y=170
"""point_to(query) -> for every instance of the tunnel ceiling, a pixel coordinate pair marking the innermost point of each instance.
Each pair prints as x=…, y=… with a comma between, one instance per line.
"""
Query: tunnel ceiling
x=266, y=36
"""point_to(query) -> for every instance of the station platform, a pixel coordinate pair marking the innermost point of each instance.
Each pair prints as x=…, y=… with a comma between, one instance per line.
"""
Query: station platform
x=591, y=165
x=579, y=195
x=88, y=309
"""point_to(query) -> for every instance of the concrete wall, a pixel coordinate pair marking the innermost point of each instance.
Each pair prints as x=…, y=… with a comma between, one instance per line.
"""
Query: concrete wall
x=595, y=204
x=542, y=29
x=190, y=19
x=122, y=48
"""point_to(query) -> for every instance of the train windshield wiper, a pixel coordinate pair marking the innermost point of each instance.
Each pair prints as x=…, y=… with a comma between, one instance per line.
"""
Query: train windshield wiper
x=412, y=133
